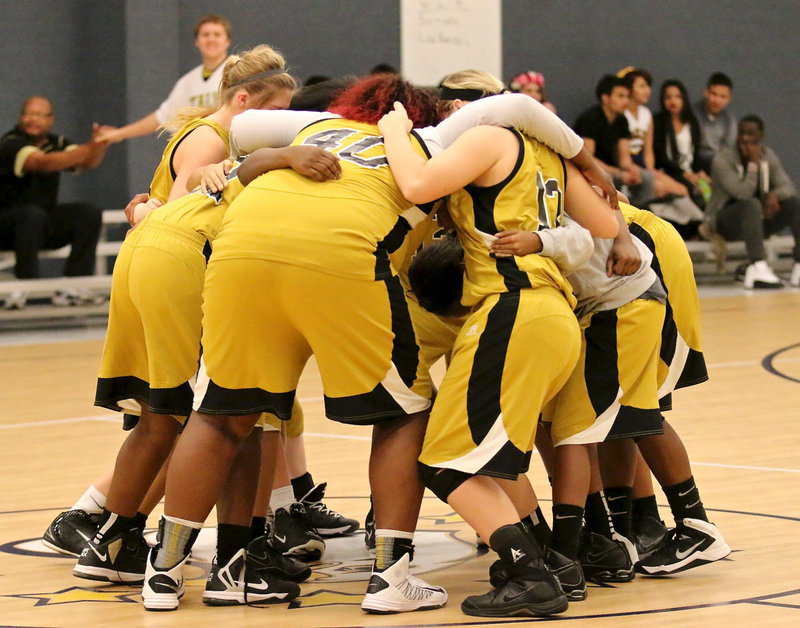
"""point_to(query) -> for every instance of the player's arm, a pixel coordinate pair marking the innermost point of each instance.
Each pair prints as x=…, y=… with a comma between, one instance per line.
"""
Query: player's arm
x=257, y=128
x=310, y=161
x=201, y=147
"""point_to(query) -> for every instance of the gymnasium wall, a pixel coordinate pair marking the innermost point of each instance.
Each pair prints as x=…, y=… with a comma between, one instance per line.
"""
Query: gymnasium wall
x=113, y=61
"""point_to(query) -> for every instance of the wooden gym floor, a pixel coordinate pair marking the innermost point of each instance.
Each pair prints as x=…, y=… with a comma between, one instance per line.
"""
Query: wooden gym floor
x=741, y=430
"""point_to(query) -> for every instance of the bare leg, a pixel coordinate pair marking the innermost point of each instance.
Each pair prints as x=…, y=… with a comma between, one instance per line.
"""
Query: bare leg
x=572, y=477
x=618, y=460
x=483, y=505
x=666, y=456
x=643, y=482
x=664, y=184
x=296, y=456
x=139, y=460
x=269, y=459
x=103, y=483
x=393, y=476
x=156, y=491
x=201, y=462
x=235, y=504
x=521, y=493
x=547, y=452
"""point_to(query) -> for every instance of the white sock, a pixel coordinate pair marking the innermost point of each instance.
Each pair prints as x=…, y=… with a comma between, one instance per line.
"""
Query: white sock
x=395, y=534
x=195, y=525
x=282, y=497
x=92, y=501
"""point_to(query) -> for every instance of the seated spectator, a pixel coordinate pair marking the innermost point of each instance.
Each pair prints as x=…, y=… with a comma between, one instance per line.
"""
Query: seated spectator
x=717, y=122
x=752, y=197
x=640, y=124
x=31, y=159
x=531, y=84
x=606, y=135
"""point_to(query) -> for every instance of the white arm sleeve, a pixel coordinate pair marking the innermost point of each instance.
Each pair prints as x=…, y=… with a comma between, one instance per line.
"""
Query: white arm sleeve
x=570, y=246
x=516, y=110
x=259, y=128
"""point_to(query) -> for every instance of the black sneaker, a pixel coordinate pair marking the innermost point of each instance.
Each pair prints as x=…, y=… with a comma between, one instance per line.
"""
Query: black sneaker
x=740, y=272
x=649, y=533
x=294, y=535
x=262, y=556
x=530, y=590
x=71, y=531
x=120, y=558
x=326, y=522
x=569, y=574
x=604, y=560
x=369, y=528
x=692, y=543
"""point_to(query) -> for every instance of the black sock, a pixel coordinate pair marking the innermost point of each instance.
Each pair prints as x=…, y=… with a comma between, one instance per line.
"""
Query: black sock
x=258, y=526
x=514, y=545
x=684, y=501
x=302, y=485
x=230, y=539
x=140, y=521
x=642, y=507
x=597, y=518
x=567, y=522
x=619, y=500
x=112, y=524
x=537, y=526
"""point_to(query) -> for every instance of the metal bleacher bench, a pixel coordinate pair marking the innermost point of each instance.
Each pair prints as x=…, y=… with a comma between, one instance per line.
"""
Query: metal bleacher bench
x=100, y=281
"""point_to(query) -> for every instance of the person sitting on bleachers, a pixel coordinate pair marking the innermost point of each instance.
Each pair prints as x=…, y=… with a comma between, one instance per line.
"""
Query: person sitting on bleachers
x=31, y=160
x=752, y=197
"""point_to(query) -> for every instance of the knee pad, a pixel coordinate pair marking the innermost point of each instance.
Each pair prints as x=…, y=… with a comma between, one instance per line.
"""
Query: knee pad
x=442, y=482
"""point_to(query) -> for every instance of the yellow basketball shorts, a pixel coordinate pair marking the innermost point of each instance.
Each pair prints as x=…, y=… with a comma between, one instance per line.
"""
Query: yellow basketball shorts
x=613, y=390
x=436, y=335
x=293, y=428
x=513, y=353
x=262, y=320
x=682, y=362
x=152, y=344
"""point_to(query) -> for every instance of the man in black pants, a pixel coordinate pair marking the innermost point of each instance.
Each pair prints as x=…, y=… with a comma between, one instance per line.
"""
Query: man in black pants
x=31, y=159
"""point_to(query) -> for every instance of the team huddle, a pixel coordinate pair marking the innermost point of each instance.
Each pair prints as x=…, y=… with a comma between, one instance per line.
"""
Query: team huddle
x=379, y=227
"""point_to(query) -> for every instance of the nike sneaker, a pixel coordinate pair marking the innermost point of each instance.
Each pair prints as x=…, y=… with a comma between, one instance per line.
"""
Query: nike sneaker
x=395, y=590
x=568, y=573
x=649, y=533
x=262, y=556
x=163, y=588
x=605, y=560
x=692, y=543
x=326, y=522
x=71, y=531
x=294, y=535
x=237, y=583
x=369, y=528
x=120, y=558
x=529, y=590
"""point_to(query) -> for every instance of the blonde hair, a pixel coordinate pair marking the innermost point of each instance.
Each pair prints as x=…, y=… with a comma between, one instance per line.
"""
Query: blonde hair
x=469, y=79
x=260, y=72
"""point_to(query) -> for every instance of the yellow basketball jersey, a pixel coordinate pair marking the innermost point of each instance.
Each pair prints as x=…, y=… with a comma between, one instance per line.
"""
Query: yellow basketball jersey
x=530, y=199
x=164, y=176
x=200, y=211
x=423, y=228
x=344, y=227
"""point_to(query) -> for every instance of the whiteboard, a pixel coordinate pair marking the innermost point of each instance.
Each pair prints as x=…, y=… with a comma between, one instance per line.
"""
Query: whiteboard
x=438, y=37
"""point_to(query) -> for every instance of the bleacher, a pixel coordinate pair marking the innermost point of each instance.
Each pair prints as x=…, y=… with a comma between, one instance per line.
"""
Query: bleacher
x=42, y=289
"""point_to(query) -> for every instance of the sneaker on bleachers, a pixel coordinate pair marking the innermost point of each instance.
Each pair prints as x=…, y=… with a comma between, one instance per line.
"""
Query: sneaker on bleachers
x=294, y=535
x=16, y=300
x=760, y=275
x=795, y=279
x=71, y=531
x=326, y=522
x=692, y=543
x=81, y=296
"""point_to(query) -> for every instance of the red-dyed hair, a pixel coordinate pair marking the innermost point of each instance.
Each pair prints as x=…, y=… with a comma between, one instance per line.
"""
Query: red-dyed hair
x=373, y=96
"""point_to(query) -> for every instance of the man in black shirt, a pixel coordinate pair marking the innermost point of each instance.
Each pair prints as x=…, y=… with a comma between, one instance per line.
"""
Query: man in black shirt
x=31, y=159
x=605, y=133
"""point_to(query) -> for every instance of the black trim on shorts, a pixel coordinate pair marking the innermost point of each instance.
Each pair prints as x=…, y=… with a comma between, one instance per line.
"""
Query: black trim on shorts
x=405, y=350
x=636, y=422
x=394, y=239
x=483, y=388
x=111, y=390
x=241, y=401
x=665, y=403
x=601, y=370
x=369, y=408
x=507, y=463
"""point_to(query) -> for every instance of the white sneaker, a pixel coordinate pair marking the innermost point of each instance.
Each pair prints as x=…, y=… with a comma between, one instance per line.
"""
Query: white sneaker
x=692, y=543
x=395, y=590
x=162, y=587
x=15, y=300
x=81, y=296
x=795, y=280
x=759, y=275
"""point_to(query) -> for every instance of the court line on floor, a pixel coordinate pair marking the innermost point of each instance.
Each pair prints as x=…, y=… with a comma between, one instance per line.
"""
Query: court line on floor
x=114, y=419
